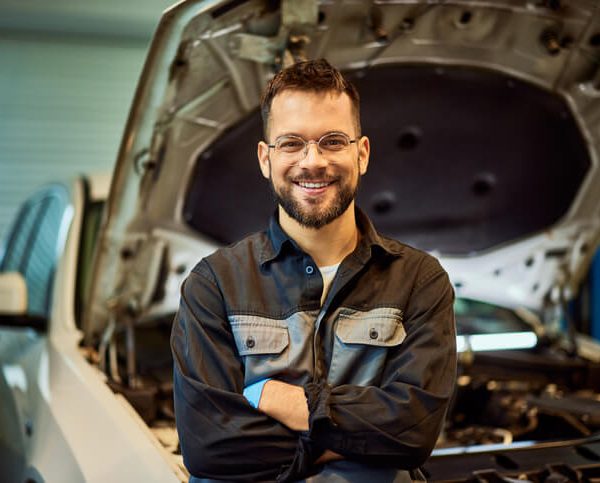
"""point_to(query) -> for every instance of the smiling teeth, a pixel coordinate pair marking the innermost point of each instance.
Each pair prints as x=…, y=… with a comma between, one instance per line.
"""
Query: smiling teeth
x=313, y=185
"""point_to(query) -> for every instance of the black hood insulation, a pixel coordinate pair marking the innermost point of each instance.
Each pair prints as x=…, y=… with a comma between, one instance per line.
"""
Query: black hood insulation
x=462, y=159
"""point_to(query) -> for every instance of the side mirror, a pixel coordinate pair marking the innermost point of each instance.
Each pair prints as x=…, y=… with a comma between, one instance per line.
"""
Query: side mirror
x=13, y=303
x=13, y=293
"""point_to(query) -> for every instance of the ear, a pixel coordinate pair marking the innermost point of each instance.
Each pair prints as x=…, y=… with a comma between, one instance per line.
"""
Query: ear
x=364, y=149
x=262, y=152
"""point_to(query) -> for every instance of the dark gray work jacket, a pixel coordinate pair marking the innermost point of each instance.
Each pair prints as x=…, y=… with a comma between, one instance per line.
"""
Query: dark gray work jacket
x=377, y=360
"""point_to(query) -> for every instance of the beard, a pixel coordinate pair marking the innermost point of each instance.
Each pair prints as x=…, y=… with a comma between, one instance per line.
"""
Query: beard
x=314, y=216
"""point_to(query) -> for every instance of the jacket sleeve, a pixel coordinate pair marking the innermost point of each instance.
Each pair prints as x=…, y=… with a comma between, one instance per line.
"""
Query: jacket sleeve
x=398, y=422
x=221, y=434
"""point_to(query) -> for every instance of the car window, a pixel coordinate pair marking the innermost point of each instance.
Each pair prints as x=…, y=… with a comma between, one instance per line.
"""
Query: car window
x=89, y=234
x=33, y=245
x=19, y=236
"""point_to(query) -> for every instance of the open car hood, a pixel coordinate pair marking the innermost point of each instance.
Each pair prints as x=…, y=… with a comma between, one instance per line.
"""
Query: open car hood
x=484, y=119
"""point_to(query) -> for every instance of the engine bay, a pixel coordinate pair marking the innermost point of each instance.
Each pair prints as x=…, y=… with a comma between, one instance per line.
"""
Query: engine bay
x=505, y=400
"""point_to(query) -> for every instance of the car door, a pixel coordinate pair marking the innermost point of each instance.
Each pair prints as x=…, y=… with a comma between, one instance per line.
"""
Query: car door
x=31, y=248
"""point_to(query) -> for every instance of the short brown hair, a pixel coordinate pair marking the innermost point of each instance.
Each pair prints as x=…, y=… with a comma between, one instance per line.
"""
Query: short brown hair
x=311, y=76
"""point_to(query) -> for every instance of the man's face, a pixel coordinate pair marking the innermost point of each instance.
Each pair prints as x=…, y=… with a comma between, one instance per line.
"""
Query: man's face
x=317, y=188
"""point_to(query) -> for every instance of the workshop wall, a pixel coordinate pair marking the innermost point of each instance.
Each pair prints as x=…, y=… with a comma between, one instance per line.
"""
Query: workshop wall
x=68, y=73
x=63, y=107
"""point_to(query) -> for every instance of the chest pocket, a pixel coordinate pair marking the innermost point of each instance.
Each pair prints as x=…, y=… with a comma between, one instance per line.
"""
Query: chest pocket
x=262, y=343
x=361, y=344
x=382, y=331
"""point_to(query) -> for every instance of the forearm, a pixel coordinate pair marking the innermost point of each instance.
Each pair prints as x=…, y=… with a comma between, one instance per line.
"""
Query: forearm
x=375, y=425
x=221, y=435
x=366, y=417
x=217, y=428
x=396, y=422
x=286, y=403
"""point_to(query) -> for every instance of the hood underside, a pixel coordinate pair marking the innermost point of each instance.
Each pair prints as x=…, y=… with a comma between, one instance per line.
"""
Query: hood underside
x=463, y=160
x=484, y=120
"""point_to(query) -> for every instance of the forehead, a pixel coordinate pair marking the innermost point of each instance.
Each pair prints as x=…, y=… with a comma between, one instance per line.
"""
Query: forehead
x=310, y=114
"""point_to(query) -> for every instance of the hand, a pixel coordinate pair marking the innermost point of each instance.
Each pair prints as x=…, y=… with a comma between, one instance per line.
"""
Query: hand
x=286, y=403
x=327, y=456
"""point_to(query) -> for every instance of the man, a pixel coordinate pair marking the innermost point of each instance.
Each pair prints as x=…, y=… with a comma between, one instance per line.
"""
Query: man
x=318, y=349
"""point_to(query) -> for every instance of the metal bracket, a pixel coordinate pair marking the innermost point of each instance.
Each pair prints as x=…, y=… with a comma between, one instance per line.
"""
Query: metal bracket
x=299, y=12
x=297, y=16
x=257, y=48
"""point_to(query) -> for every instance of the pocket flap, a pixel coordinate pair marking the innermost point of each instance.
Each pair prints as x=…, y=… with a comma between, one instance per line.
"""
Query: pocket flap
x=252, y=339
x=382, y=330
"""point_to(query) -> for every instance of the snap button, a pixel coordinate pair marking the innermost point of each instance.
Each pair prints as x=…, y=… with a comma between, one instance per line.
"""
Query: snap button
x=250, y=342
x=373, y=334
x=309, y=270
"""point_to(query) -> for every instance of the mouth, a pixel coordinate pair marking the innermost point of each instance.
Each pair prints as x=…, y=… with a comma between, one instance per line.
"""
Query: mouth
x=314, y=187
x=314, y=184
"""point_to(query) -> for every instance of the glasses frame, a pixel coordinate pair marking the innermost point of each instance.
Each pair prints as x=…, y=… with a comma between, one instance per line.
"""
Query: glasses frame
x=313, y=141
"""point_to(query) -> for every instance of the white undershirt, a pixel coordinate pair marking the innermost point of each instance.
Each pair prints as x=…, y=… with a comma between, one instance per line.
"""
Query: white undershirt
x=328, y=274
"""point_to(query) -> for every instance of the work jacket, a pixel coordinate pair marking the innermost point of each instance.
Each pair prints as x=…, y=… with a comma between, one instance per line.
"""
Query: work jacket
x=377, y=360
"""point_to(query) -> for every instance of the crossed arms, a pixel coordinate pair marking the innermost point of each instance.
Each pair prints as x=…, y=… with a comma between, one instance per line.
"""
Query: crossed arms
x=297, y=428
x=287, y=404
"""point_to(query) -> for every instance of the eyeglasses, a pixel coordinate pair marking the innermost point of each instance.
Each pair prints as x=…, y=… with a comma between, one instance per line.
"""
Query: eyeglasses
x=296, y=148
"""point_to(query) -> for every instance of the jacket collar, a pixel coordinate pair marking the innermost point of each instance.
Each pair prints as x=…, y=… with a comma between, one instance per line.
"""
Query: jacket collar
x=369, y=243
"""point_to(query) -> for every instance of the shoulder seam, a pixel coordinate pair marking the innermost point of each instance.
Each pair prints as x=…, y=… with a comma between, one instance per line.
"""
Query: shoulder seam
x=203, y=270
x=430, y=274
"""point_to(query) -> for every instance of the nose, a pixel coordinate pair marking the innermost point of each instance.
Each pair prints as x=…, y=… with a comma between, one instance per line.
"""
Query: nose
x=313, y=157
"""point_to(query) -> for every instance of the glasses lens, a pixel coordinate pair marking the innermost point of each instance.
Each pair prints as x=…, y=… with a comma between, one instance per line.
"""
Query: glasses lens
x=289, y=145
x=334, y=142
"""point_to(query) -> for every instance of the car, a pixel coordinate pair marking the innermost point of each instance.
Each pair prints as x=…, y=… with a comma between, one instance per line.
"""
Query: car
x=484, y=121
x=59, y=420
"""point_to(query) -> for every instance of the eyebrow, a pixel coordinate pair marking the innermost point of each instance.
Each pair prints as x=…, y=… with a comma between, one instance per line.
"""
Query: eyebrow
x=300, y=135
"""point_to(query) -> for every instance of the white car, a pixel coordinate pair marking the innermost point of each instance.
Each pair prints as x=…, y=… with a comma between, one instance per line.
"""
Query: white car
x=59, y=421
x=484, y=119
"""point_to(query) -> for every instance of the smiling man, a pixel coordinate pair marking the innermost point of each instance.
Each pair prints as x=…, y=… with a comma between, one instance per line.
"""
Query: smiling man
x=316, y=181
x=316, y=350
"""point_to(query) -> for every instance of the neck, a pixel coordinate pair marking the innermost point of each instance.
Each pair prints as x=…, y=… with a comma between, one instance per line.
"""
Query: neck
x=328, y=245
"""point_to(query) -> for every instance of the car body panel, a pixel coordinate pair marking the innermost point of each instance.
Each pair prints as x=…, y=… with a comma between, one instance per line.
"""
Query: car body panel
x=62, y=418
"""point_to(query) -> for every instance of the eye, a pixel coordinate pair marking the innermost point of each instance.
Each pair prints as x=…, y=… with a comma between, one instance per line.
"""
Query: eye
x=290, y=145
x=334, y=142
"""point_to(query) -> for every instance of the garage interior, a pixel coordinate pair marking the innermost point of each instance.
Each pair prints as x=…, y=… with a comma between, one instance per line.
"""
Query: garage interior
x=69, y=75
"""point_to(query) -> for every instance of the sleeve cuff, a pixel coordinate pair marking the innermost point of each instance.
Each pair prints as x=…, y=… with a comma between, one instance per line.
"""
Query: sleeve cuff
x=317, y=398
x=253, y=392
